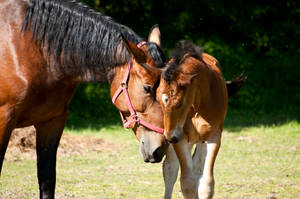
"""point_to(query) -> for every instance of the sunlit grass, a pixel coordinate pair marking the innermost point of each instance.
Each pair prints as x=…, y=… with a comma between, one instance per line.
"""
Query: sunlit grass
x=260, y=162
x=255, y=162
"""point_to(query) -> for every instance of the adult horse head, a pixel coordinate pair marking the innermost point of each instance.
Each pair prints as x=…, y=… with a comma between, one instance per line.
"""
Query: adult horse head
x=133, y=93
x=46, y=49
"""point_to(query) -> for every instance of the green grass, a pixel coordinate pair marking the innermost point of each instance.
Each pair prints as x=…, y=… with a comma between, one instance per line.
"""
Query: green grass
x=260, y=162
x=253, y=162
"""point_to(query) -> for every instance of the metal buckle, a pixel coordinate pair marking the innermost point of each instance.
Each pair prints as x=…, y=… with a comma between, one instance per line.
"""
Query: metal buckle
x=137, y=119
x=123, y=85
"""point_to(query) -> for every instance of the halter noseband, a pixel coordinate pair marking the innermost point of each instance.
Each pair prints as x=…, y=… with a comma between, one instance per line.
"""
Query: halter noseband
x=133, y=116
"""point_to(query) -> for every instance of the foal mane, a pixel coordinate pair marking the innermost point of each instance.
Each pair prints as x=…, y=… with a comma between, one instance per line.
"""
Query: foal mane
x=183, y=50
x=79, y=39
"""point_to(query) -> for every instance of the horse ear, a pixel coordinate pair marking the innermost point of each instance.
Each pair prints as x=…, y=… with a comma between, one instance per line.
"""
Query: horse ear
x=154, y=35
x=185, y=79
x=137, y=53
x=153, y=70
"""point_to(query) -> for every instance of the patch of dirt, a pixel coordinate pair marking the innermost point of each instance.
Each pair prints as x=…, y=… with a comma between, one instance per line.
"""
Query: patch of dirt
x=295, y=148
x=22, y=145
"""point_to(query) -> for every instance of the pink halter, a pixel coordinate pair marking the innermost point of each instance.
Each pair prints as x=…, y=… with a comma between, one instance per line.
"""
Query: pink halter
x=133, y=116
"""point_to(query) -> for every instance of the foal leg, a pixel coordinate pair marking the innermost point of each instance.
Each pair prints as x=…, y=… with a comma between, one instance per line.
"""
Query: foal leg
x=187, y=179
x=170, y=171
x=207, y=182
x=198, y=161
x=6, y=127
x=48, y=135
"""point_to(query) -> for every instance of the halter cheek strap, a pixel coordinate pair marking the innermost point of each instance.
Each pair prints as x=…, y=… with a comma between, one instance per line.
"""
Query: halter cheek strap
x=133, y=118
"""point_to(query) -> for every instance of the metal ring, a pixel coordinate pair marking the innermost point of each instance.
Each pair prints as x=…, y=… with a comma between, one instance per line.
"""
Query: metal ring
x=123, y=85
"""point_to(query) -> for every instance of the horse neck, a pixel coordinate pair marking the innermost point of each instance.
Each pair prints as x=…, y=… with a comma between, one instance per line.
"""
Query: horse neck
x=81, y=42
x=200, y=86
x=208, y=84
x=100, y=75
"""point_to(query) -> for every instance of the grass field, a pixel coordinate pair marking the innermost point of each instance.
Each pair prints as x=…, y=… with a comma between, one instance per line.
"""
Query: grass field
x=253, y=162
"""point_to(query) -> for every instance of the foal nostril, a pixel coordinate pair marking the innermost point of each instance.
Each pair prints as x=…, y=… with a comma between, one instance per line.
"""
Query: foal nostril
x=174, y=139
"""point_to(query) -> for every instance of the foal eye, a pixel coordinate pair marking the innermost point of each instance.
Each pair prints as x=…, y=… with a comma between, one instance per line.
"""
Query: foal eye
x=147, y=88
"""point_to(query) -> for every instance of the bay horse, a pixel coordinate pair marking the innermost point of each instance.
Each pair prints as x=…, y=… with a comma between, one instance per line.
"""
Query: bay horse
x=46, y=49
x=193, y=96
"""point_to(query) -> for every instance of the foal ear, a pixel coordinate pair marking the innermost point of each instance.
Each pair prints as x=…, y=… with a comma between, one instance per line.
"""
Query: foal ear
x=154, y=35
x=137, y=53
x=185, y=79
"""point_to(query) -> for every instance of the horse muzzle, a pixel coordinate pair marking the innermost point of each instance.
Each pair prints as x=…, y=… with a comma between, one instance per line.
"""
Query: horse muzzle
x=175, y=135
x=152, y=152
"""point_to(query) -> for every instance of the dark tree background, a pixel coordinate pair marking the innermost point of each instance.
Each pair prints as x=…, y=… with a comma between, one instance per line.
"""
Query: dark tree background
x=260, y=38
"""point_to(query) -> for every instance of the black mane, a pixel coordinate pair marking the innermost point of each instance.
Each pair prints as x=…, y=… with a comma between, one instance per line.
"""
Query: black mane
x=79, y=40
x=183, y=47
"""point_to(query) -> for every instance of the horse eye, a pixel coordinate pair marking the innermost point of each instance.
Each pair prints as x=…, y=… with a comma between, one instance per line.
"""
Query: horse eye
x=179, y=105
x=147, y=88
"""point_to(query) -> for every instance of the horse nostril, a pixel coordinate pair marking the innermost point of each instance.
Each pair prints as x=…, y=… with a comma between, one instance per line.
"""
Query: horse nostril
x=158, y=154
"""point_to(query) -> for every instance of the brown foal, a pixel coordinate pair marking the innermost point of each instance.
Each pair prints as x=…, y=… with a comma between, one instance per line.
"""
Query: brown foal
x=193, y=97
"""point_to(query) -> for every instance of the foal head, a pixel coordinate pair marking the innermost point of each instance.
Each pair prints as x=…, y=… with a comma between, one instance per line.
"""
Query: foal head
x=142, y=82
x=175, y=92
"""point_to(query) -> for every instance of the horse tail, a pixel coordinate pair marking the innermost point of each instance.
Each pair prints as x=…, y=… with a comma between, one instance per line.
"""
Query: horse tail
x=235, y=84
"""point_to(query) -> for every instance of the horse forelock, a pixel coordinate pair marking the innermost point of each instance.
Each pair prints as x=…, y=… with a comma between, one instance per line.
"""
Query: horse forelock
x=170, y=72
x=77, y=36
x=183, y=50
x=156, y=54
x=184, y=47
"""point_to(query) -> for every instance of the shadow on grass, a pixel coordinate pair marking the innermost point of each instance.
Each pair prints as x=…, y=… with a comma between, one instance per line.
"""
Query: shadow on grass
x=237, y=120
x=80, y=123
x=92, y=108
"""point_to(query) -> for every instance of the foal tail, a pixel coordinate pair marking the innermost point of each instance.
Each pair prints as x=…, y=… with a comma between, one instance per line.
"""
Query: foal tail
x=235, y=84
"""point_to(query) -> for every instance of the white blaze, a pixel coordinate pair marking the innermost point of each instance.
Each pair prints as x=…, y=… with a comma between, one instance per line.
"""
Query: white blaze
x=164, y=99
